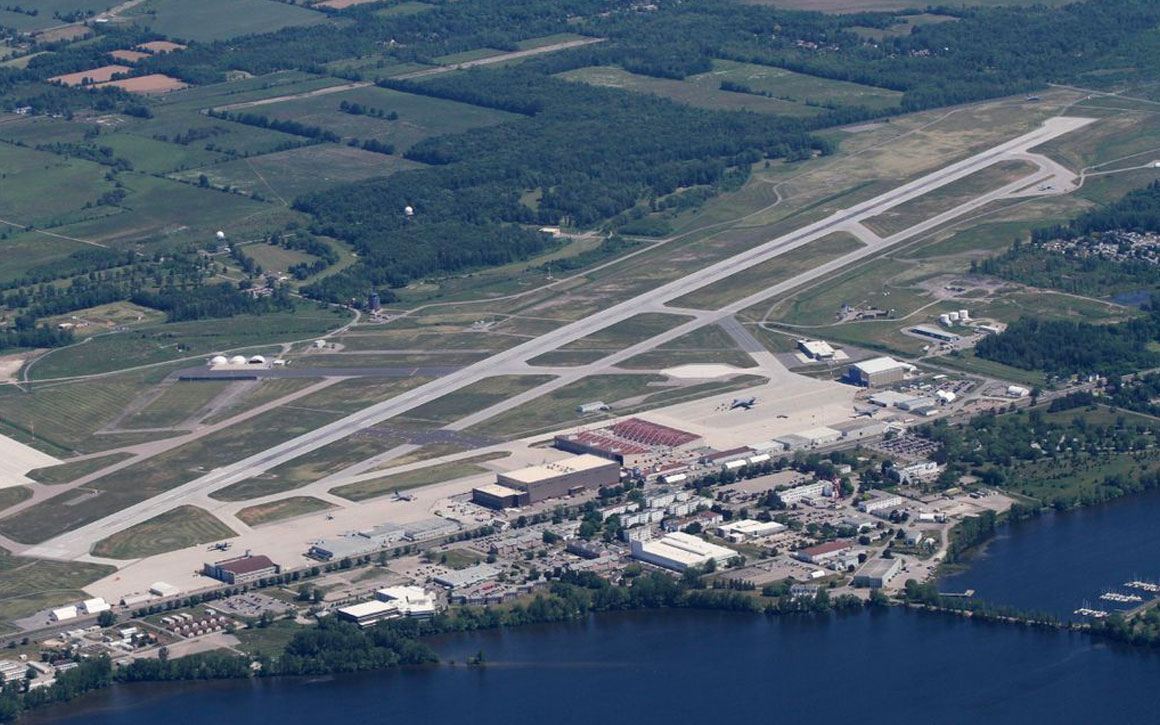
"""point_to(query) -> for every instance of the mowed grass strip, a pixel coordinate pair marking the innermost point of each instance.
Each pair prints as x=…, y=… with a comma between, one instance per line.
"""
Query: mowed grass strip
x=439, y=473
x=66, y=472
x=161, y=473
x=474, y=397
x=265, y=390
x=182, y=527
x=306, y=469
x=767, y=274
x=627, y=333
x=945, y=198
x=282, y=509
x=798, y=87
x=30, y=585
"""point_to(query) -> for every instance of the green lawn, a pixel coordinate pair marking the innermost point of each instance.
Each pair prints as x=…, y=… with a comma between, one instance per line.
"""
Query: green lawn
x=474, y=397
x=282, y=509
x=182, y=527
x=264, y=391
x=176, y=404
x=798, y=87
x=67, y=472
x=29, y=585
x=13, y=495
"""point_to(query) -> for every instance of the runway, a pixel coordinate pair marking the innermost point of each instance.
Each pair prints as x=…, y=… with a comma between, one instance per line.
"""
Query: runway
x=76, y=543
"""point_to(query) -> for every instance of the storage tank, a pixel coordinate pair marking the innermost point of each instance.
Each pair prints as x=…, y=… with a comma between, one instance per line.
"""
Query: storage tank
x=964, y=315
x=944, y=320
x=954, y=316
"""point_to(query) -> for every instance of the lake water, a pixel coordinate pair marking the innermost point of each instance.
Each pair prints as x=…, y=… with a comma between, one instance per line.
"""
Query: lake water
x=675, y=667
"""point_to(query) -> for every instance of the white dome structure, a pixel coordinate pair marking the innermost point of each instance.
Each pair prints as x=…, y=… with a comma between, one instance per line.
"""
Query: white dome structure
x=237, y=360
x=218, y=360
x=221, y=236
x=257, y=360
x=408, y=211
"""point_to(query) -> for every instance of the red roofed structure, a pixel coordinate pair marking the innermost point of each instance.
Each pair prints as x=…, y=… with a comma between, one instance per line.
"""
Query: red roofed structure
x=632, y=442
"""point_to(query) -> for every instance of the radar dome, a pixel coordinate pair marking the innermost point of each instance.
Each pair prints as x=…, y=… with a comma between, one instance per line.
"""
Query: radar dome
x=218, y=360
x=257, y=360
x=408, y=211
x=221, y=236
x=237, y=360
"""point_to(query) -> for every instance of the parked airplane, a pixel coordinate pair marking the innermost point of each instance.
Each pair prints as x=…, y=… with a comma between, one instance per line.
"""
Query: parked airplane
x=746, y=403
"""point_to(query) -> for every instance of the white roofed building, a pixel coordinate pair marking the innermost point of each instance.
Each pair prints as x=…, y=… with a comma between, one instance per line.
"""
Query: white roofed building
x=680, y=551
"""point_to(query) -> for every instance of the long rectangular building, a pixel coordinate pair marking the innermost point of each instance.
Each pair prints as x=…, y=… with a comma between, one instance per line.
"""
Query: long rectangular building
x=561, y=478
x=679, y=551
x=631, y=443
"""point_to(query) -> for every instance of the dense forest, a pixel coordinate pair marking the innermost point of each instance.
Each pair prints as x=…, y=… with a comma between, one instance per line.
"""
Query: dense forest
x=1090, y=275
x=1063, y=347
x=1136, y=211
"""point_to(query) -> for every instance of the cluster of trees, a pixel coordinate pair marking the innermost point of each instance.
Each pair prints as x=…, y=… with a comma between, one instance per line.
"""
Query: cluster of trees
x=1089, y=275
x=1063, y=347
x=293, y=128
x=358, y=109
x=26, y=333
x=1136, y=211
x=211, y=301
x=88, y=675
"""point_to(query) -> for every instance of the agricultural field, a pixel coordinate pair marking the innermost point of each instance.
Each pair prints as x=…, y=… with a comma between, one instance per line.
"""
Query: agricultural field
x=45, y=9
x=702, y=91
x=375, y=487
x=182, y=527
x=419, y=117
x=285, y=508
x=47, y=190
x=207, y=20
x=408, y=7
x=284, y=175
x=29, y=585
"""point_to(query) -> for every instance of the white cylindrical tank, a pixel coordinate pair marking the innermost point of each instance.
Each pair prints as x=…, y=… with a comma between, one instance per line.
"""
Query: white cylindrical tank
x=944, y=319
x=954, y=316
x=964, y=315
x=218, y=360
x=237, y=360
x=257, y=360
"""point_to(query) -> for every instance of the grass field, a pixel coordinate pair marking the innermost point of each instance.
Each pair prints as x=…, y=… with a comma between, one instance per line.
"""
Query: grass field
x=708, y=344
x=67, y=472
x=282, y=509
x=958, y=192
x=270, y=640
x=474, y=397
x=859, y=6
x=627, y=333
x=46, y=10
x=207, y=20
x=797, y=87
x=161, y=473
x=182, y=527
x=13, y=495
x=29, y=585
x=460, y=558
x=347, y=396
x=765, y=275
x=702, y=91
x=284, y=175
x=904, y=25
x=419, y=116
x=432, y=337
x=113, y=314
x=176, y=404
x=967, y=362
x=49, y=190
x=865, y=286
x=170, y=341
x=306, y=469
x=275, y=258
x=376, y=487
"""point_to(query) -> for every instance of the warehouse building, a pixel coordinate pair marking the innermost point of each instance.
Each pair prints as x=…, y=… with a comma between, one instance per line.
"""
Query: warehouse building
x=878, y=371
x=466, y=577
x=632, y=443
x=819, y=489
x=823, y=553
x=242, y=569
x=359, y=543
x=881, y=504
x=391, y=603
x=680, y=551
x=877, y=573
x=935, y=333
x=916, y=473
x=63, y=614
x=427, y=529
x=95, y=606
x=495, y=496
x=745, y=529
x=561, y=478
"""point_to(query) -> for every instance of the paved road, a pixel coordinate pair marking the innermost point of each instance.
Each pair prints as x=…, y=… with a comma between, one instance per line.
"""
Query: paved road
x=76, y=543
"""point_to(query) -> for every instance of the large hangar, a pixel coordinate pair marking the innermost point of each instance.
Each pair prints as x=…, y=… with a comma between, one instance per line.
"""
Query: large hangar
x=548, y=480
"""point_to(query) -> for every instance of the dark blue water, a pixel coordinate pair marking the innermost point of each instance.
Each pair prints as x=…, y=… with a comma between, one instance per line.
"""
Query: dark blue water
x=1059, y=562
x=886, y=666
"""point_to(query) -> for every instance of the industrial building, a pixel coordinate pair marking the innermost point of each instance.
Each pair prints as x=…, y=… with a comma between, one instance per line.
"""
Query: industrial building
x=745, y=529
x=679, y=551
x=94, y=606
x=432, y=528
x=163, y=589
x=242, y=569
x=811, y=438
x=496, y=496
x=915, y=473
x=935, y=333
x=550, y=480
x=823, y=553
x=466, y=577
x=880, y=504
x=862, y=428
x=816, y=349
x=877, y=572
x=391, y=603
x=63, y=614
x=631, y=443
x=878, y=371
x=358, y=543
